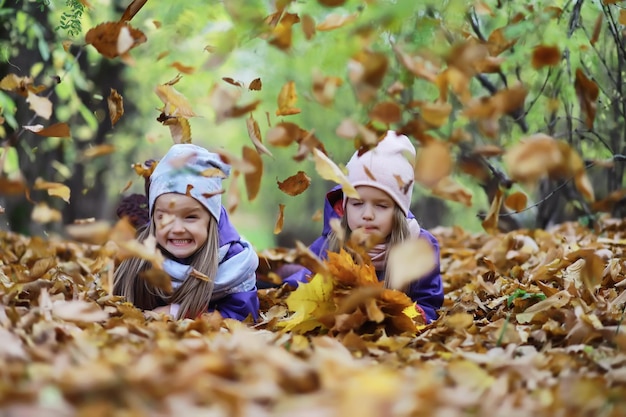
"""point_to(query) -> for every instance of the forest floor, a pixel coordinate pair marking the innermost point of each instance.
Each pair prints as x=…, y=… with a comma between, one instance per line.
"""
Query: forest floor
x=531, y=326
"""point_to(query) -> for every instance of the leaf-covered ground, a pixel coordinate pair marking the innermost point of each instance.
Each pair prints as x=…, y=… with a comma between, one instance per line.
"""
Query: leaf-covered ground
x=532, y=325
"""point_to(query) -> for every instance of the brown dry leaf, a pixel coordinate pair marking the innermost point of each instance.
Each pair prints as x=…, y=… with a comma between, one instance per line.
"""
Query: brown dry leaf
x=254, y=133
x=238, y=164
x=433, y=163
x=545, y=56
x=54, y=189
x=253, y=178
x=185, y=69
x=96, y=233
x=57, y=130
x=42, y=106
x=366, y=70
x=98, y=150
x=558, y=300
x=282, y=32
x=409, y=261
x=231, y=81
x=115, y=103
x=224, y=102
x=325, y=88
x=174, y=103
x=584, y=186
x=516, y=201
x=278, y=226
x=284, y=134
x=597, y=27
x=328, y=170
x=587, y=92
x=180, y=128
x=490, y=224
x=420, y=66
x=233, y=195
x=42, y=213
x=78, y=311
x=435, y=114
x=255, y=85
x=335, y=21
x=287, y=100
x=386, y=112
x=308, y=26
x=295, y=184
x=447, y=188
x=533, y=158
x=112, y=39
x=158, y=279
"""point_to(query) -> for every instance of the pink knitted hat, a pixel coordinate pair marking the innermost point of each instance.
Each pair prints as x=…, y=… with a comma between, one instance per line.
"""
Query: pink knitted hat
x=388, y=167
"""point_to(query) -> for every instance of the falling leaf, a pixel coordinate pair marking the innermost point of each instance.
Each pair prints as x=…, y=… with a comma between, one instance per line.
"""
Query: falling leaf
x=533, y=157
x=278, y=226
x=308, y=26
x=232, y=195
x=255, y=85
x=40, y=105
x=284, y=134
x=185, y=69
x=158, y=279
x=54, y=189
x=447, y=188
x=42, y=213
x=98, y=150
x=335, y=21
x=175, y=104
x=325, y=88
x=132, y=9
x=57, y=130
x=329, y=171
x=180, y=129
x=281, y=36
x=435, y=114
x=386, y=112
x=587, y=92
x=115, y=103
x=490, y=224
x=287, y=100
x=253, y=178
x=295, y=184
x=597, y=27
x=545, y=56
x=516, y=201
x=556, y=301
x=254, y=133
x=111, y=39
x=433, y=163
x=409, y=261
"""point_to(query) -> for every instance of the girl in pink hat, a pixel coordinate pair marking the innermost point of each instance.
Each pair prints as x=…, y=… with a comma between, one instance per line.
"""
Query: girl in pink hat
x=383, y=177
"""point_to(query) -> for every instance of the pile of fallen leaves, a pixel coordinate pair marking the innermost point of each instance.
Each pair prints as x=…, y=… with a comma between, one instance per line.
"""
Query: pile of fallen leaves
x=531, y=325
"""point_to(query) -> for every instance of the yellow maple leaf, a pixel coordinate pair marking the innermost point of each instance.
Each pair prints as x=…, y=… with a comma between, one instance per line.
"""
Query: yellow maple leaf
x=309, y=302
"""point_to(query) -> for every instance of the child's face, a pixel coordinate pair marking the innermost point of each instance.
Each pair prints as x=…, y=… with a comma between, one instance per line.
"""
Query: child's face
x=373, y=212
x=182, y=224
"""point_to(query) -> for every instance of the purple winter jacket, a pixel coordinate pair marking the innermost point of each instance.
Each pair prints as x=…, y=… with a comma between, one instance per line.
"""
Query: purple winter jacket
x=427, y=292
x=237, y=305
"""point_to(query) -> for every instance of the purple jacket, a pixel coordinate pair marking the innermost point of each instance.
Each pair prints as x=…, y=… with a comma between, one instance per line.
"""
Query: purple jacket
x=427, y=292
x=237, y=305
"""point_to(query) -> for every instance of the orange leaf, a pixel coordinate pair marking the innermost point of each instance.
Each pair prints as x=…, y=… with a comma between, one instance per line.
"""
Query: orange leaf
x=185, y=69
x=54, y=189
x=433, y=163
x=533, y=158
x=490, y=224
x=255, y=85
x=516, y=201
x=254, y=133
x=409, y=261
x=295, y=184
x=99, y=150
x=329, y=171
x=112, y=39
x=278, y=227
x=287, y=99
x=132, y=9
x=386, y=112
x=435, y=114
x=253, y=179
x=232, y=195
x=447, y=188
x=57, y=130
x=587, y=92
x=116, y=106
x=308, y=26
x=545, y=56
x=597, y=27
x=334, y=21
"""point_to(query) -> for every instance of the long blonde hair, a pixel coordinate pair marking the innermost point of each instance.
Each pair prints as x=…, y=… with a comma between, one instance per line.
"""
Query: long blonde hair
x=193, y=295
x=399, y=232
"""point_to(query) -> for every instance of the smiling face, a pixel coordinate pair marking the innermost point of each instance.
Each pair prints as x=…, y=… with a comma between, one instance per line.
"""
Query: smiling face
x=373, y=212
x=182, y=224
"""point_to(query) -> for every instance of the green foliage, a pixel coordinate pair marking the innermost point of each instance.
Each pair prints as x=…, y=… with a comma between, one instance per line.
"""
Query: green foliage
x=71, y=19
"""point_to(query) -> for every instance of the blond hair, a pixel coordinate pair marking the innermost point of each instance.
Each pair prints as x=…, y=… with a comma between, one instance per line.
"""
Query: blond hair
x=193, y=295
x=399, y=233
